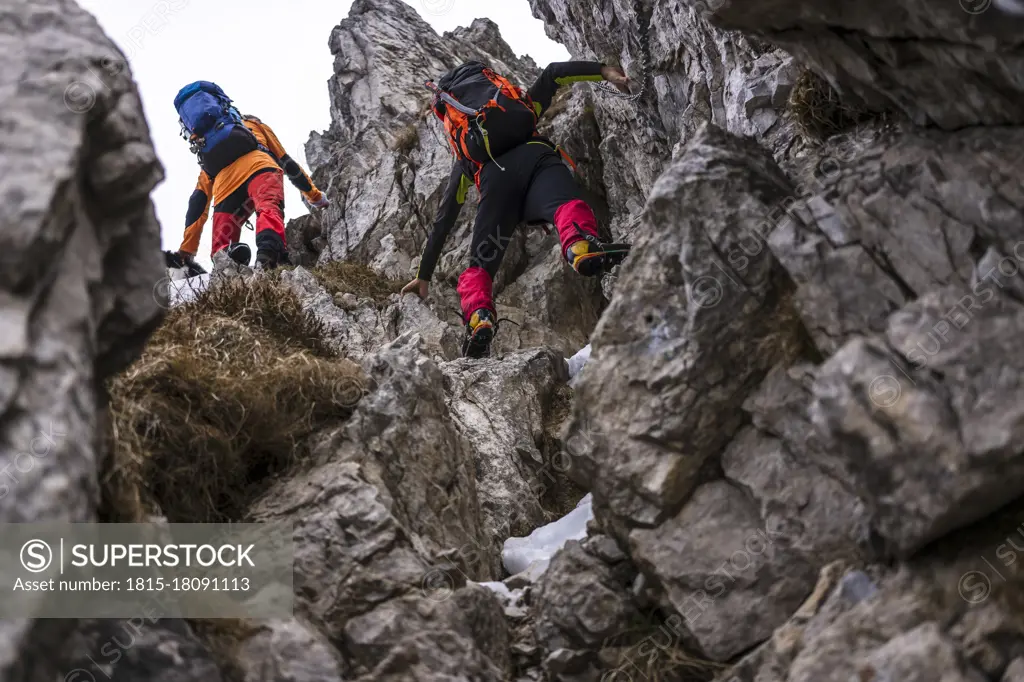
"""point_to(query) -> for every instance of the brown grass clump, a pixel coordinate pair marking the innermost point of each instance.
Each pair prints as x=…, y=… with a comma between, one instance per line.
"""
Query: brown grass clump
x=339, y=277
x=651, y=650
x=819, y=110
x=217, y=405
x=407, y=139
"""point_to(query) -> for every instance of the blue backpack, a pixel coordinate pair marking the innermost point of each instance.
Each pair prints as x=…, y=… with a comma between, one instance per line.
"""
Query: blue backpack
x=212, y=125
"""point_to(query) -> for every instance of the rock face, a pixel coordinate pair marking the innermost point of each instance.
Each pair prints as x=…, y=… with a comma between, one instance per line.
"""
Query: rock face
x=949, y=66
x=695, y=314
x=369, y=584
x=934, y=619
x=799, y=421
x=581, y=601
x=789, y=380
x=953, y=404
x=77, y=274
x=696, y=74
x=407, y=504
x=502, y=411
x=291, y=651
x=144, y=648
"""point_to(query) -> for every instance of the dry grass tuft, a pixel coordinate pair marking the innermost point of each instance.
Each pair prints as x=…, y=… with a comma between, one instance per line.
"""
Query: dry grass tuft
x=651, y=650
x=219, y=402
x=819, y=110
x=407, y=139
x=339, y=277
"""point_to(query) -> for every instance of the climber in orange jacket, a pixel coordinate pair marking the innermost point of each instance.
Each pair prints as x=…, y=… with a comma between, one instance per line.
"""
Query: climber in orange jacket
x=245, y=175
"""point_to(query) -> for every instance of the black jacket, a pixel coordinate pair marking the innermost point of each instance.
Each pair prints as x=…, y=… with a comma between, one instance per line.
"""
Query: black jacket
x=463, y=173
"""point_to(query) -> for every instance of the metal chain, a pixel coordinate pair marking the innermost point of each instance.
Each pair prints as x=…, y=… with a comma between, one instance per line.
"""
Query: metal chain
x=644, y=61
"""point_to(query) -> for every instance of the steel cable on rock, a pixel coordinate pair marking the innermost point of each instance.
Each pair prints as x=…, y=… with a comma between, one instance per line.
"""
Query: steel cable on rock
x=644, y=44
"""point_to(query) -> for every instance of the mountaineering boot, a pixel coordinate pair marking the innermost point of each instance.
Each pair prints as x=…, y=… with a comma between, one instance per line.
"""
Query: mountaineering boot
x=480, y=331
x=590, y=257
x=267, y=259
x=240, y=253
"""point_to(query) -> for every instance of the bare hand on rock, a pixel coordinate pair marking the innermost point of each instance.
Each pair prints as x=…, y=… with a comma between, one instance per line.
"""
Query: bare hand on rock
x=418, y=287
x=617, y=77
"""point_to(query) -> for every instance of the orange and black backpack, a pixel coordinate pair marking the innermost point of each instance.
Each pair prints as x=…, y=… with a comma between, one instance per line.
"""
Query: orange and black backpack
x=484, y=114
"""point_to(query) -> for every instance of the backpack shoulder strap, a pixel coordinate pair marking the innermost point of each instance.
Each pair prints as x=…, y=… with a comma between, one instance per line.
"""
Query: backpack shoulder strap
x=510, y=89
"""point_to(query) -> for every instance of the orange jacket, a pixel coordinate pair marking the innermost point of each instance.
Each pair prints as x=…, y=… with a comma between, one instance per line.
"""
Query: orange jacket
x=236, y=174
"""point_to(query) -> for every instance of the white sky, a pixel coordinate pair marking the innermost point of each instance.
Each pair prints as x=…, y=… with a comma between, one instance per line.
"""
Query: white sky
x=272, y=58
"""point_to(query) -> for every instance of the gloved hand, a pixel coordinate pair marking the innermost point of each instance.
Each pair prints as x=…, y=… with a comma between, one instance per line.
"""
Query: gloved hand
x=322, y=203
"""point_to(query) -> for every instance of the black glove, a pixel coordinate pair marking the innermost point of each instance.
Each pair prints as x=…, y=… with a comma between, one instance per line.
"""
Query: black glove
x=173, y=259
x=183, y=259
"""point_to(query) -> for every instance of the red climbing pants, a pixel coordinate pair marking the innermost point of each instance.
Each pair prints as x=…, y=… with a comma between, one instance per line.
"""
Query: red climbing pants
x=534, y=187
x=262, y=194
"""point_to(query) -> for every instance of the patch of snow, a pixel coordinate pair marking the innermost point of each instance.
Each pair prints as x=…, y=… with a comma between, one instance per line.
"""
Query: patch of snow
x=533, y=553
x=177, y=273
x=501, y=589
x=577, y=362
x=511, y=600
x=183, y=290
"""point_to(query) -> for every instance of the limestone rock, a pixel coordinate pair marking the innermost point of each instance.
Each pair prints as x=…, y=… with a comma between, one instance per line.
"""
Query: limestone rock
x=695, y=324
x=137, y=650
x=941, y=385
x=947, y=614
x=397, y=641
x=304, y=240
x=289, y=651
x=731, y=580
x=837, y=590
x=79, y=274
x=501, y=407
x=886, y=216
x=947, y=65
x=404, y=435
x=697, y=74
x=782, y=520
x=340, y=574
x=383, y=162
x=580, y=601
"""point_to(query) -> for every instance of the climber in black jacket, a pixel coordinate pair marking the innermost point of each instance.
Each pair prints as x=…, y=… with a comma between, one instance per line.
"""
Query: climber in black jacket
x=520, y=176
